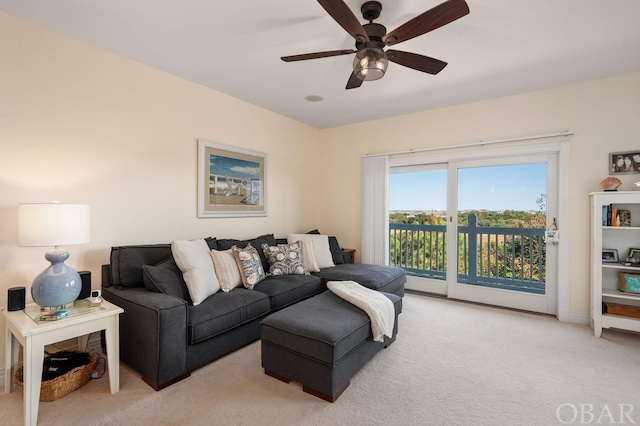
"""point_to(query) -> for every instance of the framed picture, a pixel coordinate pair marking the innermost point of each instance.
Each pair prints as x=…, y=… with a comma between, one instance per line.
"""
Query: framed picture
x=625, y=217
x=624, y=162
x=609, y=255
x=231, y=181
x=634, y=254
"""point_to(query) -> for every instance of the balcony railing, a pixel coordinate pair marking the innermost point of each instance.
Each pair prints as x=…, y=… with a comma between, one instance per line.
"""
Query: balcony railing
x=507, y=258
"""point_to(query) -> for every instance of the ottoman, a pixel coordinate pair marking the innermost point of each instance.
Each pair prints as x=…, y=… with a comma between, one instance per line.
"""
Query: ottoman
x=321, y=343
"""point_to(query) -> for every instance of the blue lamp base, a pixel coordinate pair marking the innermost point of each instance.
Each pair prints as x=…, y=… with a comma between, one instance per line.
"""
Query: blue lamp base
x=58, y=284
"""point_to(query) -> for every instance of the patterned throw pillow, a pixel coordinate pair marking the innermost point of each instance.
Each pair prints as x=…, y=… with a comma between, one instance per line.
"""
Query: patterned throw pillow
x=249, y=264
x=284, y=259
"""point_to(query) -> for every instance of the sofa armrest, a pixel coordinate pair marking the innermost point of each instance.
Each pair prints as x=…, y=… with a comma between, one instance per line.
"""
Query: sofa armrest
x=153, y=333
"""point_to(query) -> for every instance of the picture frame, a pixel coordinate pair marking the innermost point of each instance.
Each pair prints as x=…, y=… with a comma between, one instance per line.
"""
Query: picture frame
x=625, y=217
x=634, y=254
x=231, y=181
x=624, y=162
x=609, y=255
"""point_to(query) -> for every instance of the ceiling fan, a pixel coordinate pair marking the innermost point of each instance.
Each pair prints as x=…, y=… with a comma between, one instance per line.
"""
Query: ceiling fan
x=371, y=60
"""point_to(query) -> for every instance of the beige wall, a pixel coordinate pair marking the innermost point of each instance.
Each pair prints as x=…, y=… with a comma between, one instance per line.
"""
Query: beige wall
x=78, y=124
x=604, y=115
x=81, y=125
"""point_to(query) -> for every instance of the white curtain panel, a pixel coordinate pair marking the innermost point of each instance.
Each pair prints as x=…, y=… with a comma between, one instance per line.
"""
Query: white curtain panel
x=375, y=215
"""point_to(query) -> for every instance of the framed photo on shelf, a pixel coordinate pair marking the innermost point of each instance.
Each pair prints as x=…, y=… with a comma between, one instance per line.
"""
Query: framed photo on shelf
x=624, y=162
x=611, y=255
x=634, y=255
x=231, y=181
x=625, y=217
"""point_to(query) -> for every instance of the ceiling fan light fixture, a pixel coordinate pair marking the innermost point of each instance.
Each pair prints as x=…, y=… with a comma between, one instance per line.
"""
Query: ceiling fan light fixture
x=370, y=63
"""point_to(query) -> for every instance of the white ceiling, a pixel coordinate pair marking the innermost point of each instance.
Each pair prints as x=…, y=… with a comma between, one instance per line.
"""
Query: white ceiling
x=502, y=47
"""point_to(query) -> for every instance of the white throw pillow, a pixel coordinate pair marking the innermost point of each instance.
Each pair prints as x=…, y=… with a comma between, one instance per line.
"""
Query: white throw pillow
x=226, y=269
x=308, y=257
x=321, y=250
x=194, y=260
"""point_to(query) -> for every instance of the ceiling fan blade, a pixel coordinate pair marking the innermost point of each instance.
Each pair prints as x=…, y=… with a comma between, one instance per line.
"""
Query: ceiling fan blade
x=434, y=18
x=415, y=61
x=341, y=13
x=354, y=82
x=317, y=55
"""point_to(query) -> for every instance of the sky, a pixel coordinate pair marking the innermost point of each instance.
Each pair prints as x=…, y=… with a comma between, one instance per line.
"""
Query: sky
x=235, y=168
x=513, y=187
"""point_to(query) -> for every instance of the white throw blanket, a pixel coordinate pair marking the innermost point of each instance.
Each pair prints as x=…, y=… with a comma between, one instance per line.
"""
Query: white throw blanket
x=375, y=304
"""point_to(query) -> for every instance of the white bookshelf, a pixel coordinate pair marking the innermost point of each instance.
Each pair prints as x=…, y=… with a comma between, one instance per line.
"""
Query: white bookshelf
x=604, y=275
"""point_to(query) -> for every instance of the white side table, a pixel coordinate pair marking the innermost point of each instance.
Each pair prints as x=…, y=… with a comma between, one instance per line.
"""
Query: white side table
x=23, y=327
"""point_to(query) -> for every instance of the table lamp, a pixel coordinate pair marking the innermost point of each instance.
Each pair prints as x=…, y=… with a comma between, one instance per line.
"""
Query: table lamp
x=54, y=225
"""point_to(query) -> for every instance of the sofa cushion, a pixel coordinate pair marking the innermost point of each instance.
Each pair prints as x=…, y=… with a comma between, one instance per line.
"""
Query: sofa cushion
x=390, y=279
x=166, y=277
x=225, y=244
x=249, y=265
x=194, y=260
x=285, y=259
x=126, y=261
x=224, y=311
x=336, y=251
x=226, y=269
x=212, y=243
x=286, y=290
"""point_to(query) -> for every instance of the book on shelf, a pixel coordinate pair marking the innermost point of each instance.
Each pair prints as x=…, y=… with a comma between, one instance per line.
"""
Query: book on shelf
x=612, y=216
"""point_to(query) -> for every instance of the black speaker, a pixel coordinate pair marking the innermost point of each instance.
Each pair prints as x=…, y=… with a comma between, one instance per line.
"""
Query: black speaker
x=85, y=276
x=15, y=298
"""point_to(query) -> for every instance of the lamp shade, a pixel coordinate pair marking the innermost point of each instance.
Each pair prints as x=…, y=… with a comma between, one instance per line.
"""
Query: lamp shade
x=53, y=224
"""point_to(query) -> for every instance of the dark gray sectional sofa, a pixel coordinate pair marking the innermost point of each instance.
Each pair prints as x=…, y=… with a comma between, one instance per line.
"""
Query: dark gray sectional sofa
x=164, y=337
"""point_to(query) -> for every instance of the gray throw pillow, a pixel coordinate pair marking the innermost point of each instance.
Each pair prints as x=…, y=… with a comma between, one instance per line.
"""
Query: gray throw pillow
x=165, y=277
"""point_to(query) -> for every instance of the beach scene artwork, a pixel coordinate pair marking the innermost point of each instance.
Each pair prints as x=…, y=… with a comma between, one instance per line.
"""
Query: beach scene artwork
x=231, y=181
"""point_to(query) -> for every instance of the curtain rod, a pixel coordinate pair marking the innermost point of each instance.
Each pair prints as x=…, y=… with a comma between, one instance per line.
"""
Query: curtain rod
x=481, y=143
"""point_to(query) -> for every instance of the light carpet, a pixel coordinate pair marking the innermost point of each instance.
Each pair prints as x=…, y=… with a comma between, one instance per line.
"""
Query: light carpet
x=452, y=363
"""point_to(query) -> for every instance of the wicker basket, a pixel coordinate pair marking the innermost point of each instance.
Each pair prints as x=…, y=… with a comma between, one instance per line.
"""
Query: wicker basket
x=51, y=390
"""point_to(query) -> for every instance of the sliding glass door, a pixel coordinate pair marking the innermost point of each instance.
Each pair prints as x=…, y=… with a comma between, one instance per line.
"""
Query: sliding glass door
x=502, y=212
x=474, y=229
